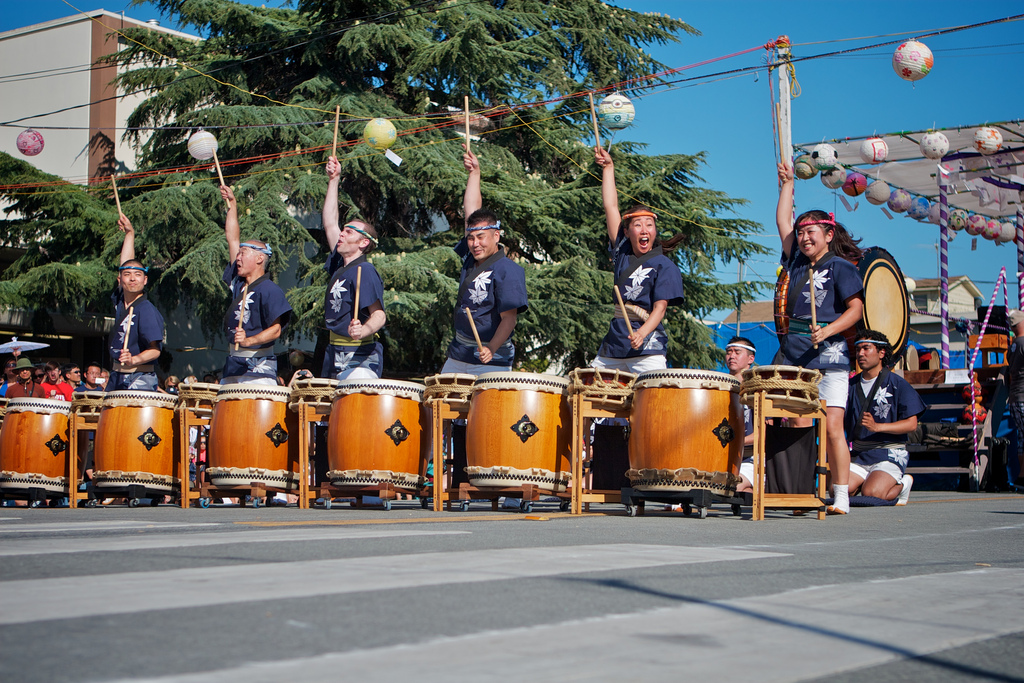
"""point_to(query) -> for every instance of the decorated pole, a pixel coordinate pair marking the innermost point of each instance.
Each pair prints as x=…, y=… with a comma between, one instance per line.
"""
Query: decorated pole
x=1001, y=280
x=785, y=96
x=944, y=268
x=1020, y=258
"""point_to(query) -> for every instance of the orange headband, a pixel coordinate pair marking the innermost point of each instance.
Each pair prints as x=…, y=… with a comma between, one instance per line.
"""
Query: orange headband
x=637, y=214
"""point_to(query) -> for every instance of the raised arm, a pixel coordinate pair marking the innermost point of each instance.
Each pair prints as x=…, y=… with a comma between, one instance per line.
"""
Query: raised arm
x=784, y=211
x=332, y=229
x=231, y=229
x=473, y=199
x=609, y=194
x=128, y=246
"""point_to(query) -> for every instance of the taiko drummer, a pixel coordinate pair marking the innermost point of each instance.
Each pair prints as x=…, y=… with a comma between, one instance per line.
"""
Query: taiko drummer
x=138, y=334
x=819, y=313
x=259, y=310
x=492, y=290
x=739, y=357
x=647, y=280
x=355, y=351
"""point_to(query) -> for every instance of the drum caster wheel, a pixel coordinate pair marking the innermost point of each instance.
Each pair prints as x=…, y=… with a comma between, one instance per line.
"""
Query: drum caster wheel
x=526, y=507
x=736, y=509
x=464, y=506
x=387, y=506
x=91, y=503
x=255, y=503
x=631, y=511
x=133, y=502
x=687, y=510
x=702, y=512
x=425, y=503
x=564, y=506
x=204, y=503
x=35, y=504
x=327, y=503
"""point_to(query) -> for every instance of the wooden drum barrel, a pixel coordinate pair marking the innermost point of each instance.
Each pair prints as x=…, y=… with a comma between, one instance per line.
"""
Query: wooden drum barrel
x=686, y=432
x=137, y=441
x=34, y=445
x=519, y=431
x=253, y=437
x=378, y=434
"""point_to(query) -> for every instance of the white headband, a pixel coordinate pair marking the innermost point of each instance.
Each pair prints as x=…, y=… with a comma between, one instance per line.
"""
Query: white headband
x=741, y=346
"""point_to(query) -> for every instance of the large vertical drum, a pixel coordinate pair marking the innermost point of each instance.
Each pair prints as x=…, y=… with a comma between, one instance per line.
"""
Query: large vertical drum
x=252, y=438
x=137, y=441
x=34, y=445
x=686, y=432
x=377, y=434
x=519, y=431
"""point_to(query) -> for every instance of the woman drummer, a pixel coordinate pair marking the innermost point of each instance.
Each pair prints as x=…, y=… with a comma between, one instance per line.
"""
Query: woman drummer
x=648, y=281
x=818, y=246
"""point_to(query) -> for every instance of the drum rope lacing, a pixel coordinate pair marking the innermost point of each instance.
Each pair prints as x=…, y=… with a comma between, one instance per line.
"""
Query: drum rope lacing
x=450, y=390
x=805, y=391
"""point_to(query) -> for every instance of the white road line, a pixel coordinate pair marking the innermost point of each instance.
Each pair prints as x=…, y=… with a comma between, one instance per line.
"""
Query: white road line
x=33, y=600
x=784, y=637
x=164, y=540
x=100, y=526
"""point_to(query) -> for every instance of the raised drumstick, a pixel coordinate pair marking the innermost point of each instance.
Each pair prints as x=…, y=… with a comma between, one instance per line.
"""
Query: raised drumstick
x=814, y=308
x=334, y=145
x=241, y=309
x=593, y=117
x=117, y=199
x=465, y=102
x=476, y=335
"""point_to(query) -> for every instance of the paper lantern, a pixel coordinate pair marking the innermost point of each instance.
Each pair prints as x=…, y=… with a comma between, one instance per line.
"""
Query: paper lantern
x=202, y=145
x=918, y=209
x=380, y=133
x=824, y=156
x=975, y=224
x=296, y=358
x=933, y=213
x=957, y=219
x=1007, y=233
x=30, y=142
x=991, y=230
x=874, y=150
x=912, y=60
x=616, y=111
x=803, y=167
x=855, y=184
x=878, y=192
x=934, y=145
x=899, y=200
x=911, y=284
x=833, y=178
x=988, y=140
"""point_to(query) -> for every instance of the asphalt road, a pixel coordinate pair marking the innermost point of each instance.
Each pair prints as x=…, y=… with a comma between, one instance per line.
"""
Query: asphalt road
x=931, y=591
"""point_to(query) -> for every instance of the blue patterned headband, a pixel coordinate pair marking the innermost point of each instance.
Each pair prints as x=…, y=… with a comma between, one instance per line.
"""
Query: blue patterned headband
x=133, y=267
x=496, y=226
x=263, y=250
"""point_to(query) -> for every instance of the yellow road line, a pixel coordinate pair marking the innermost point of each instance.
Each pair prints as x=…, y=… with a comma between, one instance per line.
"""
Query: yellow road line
x=414, y=520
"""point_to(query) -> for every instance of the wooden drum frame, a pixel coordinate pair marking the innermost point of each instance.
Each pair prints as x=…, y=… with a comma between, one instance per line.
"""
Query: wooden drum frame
x=519, y=431
x=34, y=445
x=686, y=432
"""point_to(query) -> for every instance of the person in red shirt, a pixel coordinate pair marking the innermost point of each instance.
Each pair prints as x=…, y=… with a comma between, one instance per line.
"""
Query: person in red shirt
x=52, y=384
x=26, y=386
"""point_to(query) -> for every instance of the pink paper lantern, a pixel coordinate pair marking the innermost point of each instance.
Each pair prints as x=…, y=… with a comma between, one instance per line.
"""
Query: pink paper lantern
x=975, y=224
x=30, y=142
x=991, y=230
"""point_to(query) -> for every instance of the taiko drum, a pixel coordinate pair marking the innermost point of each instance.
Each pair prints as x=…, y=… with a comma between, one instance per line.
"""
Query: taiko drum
x=686, y=432
x=519, y=431
x=253, y=438
x=137, y=441
x=377, y=434
x=34, y=445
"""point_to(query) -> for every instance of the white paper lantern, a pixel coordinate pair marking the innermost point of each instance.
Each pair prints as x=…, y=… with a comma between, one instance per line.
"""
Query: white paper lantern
x=911, y=284
x=833, y=178
x=918, y=209
x=934, y=145
x=616, y=111
x=933, y=212
x=1007, y=233
x=899, y=200
x=202, y=145
x=957, y=219
x=912, y=60
x=975, y=224
x=803, y=168
x=824, y=156
x=988, y=140
x=874, y=150
x=878, y=193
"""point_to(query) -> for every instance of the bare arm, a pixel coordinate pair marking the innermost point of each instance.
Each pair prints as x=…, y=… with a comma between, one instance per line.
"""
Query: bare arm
x=332, y=228
x=373, y=324
x=272, y=333
x=231, y=229
x=609, y=194
x=473, y=200
x=784, y=211
x=854, y=312
x=636, y=339
x=145, y=356
x=128, y=246
x=899, y=427
x=501, y=334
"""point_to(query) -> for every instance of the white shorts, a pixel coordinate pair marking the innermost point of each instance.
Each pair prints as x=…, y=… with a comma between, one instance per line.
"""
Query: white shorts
x=636, y=365
x=890, y=468
x=747, y=471
x=451, y=365
x=261, y=381
x=357, y=372
x=834, y=388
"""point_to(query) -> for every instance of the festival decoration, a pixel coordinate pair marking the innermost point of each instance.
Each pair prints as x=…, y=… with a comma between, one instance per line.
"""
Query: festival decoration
x=296, y=358
x=804, y=168
x=911, y=284
x=855, y=184
x=934, y=145
x=975, y=224
x=918, y=209
x=991, y=230
x=874, y=150
x=933, y=213
x=1007, y=233
x=988, y=140
x=957, y=219
x=616, y=111
x=824, y=156
x=912, y=60
x=380, y=134
x=878, y=192
x=202, y=145
x=30, y=142
x=833, y=178
x=899, y=200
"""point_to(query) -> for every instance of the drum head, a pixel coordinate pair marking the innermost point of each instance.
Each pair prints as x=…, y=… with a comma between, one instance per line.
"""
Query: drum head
x=886, y=306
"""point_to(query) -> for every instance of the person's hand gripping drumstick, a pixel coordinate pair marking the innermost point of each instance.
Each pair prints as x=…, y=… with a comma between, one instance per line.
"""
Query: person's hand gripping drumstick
x=485, y=353
x=239, y=332
x=126, y=357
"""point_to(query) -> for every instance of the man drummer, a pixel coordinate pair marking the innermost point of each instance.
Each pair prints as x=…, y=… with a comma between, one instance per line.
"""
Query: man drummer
x=25, y=385
x=881, y=410
x=355, y=351
x=259, y=310
x=137, y=319
x=491, y=286
x=739, y=357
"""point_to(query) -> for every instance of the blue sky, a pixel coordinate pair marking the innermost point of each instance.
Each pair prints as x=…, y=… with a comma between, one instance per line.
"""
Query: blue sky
x=976, y=79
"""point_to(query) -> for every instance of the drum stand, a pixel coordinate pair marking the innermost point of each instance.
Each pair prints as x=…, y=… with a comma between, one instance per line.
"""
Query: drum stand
x=585, y=409
x=309, y=415
x=442, y=409
x=701, y=499
x=78, y=422
x=188, y=418
x=767, y=406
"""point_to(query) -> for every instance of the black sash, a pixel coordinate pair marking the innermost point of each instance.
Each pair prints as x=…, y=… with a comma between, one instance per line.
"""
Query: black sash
x=475, y=272
x=339, y=274
x=635, y=262
x=883, y=377
x=236, y=300
x=791, y=295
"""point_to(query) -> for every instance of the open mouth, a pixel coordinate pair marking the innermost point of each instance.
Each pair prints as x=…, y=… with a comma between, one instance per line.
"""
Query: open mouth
x=644, y=242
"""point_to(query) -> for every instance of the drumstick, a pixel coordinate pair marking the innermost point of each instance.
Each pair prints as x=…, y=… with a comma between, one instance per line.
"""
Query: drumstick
x=622, y=308
x=241, y=309
x=216, y=163
x=117, y=200
x=128, y=329
x=593, y=117
x=476, y=335
x=359, y=284
x=334, y=145
x=466, y=103
x=814, y=311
